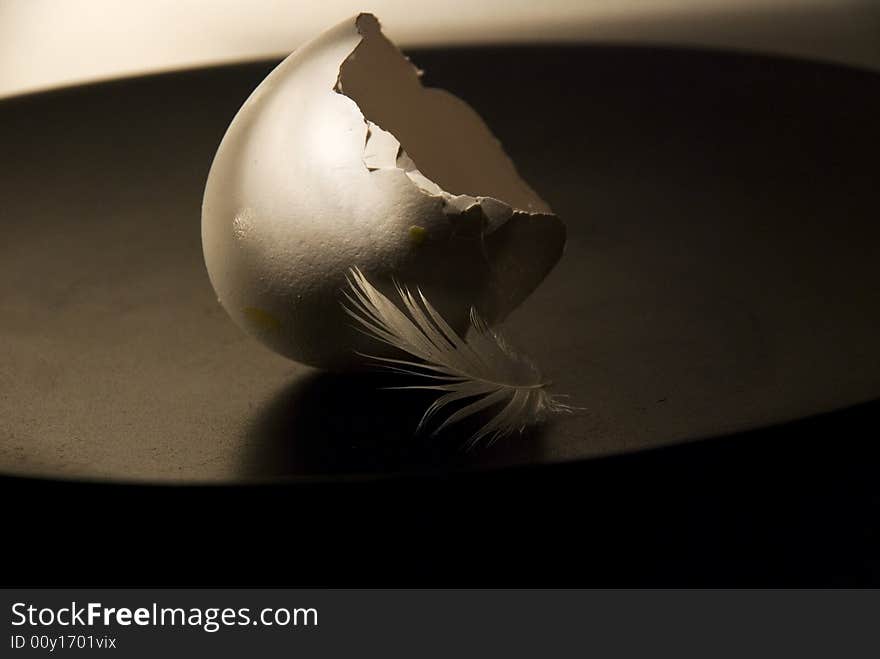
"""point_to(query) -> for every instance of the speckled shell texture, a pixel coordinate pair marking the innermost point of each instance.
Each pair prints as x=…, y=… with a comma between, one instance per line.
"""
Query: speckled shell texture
x=289, y=207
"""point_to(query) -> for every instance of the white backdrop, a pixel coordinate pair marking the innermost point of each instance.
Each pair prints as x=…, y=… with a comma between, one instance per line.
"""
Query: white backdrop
x=46, y=43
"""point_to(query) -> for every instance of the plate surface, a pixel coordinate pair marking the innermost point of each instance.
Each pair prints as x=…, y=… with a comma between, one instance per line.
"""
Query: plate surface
x=721, y=272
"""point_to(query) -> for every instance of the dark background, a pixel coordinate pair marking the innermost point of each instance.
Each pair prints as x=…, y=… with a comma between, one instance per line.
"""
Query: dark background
x=793, y=505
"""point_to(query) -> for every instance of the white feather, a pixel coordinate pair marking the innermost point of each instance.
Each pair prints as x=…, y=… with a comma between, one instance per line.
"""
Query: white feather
x=481, y=367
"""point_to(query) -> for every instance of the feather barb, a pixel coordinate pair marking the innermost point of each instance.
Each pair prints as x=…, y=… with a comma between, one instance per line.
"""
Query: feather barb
x=478, y=371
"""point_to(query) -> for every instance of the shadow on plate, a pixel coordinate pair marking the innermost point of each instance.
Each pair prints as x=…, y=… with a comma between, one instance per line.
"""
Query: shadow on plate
x=354, y=424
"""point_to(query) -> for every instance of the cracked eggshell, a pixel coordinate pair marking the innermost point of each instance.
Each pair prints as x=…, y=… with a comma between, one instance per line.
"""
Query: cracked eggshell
x=304, y=187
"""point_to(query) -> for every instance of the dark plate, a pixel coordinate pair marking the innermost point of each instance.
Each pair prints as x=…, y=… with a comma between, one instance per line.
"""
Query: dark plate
x=721, y=272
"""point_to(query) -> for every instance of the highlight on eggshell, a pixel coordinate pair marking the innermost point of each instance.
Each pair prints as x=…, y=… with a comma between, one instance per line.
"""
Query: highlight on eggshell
x=341, y=159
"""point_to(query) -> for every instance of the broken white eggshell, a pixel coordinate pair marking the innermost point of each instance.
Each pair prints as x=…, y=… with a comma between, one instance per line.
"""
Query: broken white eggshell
x=341, y=159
